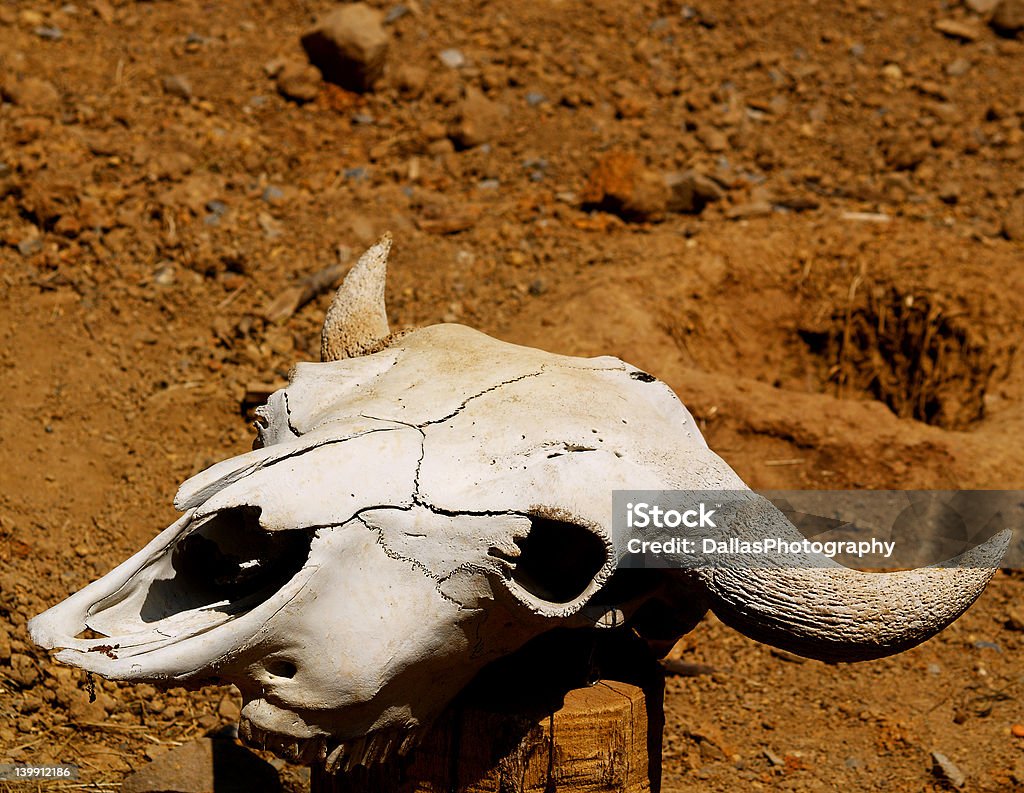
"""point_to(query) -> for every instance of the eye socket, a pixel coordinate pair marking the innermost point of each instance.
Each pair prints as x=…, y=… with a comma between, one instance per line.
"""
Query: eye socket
x=558, y=559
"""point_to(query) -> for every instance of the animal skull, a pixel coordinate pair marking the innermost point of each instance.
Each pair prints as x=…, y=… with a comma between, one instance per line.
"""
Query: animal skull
x=420, y=505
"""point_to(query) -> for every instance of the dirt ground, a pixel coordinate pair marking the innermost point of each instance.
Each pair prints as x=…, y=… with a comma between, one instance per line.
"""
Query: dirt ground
x=834, y=284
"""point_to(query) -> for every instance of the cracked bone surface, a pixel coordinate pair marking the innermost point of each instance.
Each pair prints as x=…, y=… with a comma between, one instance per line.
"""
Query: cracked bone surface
x=430, y=506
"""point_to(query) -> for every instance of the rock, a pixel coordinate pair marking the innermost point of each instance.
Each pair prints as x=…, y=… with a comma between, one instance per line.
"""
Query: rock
x=963, y=30
x=449, y=220
x=1009, y=16
x=349, y=46
x=5, y=644
x=714, y=140
x=298, y=81
x=82, y=710
x=410, y=80
x=177, y=85
x=228, y=708
x=49, y=32
x=905, y=154
x=946, y=770
x=24, y=671
x=204, y=766
x=949, y=192
x=31, y=93
x=1014, y=622
x=958, y=68
x=1017, y=730
x=690, y=192
x=751, y=209
x=480, y=120
x=30, y=246
x=621, y=184
x=1013, y=221
x=452, y=58
x=983, y=7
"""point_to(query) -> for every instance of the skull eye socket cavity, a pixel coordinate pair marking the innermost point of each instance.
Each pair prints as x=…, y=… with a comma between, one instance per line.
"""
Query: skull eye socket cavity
x=558, y=562
x=281, y=667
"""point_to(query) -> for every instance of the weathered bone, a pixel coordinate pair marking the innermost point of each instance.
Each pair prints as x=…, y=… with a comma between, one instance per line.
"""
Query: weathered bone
x=421, y=511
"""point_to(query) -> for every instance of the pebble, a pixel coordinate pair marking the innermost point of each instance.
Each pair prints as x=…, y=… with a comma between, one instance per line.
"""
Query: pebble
x=228, y=709
x=983, y=7
x=30, y=246
x=1013, y=221
x=945, y=769
x=751, y=209
x=714, y=140
x=949, y=192
x=1017, y=730
x=410, y=80
x=395, y=13
x=177, y=85
x=298, y=81
x=23, y=670
x=690, y=192
x=1009, y=16
x=621, y=184
x=273, y=195
x=534, y=98
x=452, y=58
x=1014, y=620
x=349, y=46
x=958, y=68
x=49, y=32
x=32, y=93
x=5, y=644
x=480, y=120
x=963, y=30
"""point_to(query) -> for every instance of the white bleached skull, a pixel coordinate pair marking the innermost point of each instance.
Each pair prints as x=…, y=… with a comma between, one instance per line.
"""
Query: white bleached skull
x=426, y=503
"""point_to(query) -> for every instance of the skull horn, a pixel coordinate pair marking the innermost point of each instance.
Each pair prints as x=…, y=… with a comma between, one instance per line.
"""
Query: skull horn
x=357, y=321
x=817, y=608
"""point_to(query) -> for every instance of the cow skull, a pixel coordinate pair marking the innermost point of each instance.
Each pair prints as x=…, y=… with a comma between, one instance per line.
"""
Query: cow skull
x=420, y=505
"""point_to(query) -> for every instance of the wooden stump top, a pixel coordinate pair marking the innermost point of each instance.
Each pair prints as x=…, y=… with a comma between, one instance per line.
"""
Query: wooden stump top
x=596, y=742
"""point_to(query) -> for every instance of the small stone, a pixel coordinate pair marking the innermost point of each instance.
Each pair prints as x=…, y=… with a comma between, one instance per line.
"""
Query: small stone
x=535, y=98
x=228, y=709
x=199, y=767
x=946, y=770
x=452, y=58
x=410, y=80
x=690, y=192
x=23, y=670
x=273, y=195
x=983, y=7
x=30, y=246
x=963, y=30
x=892, y=72
x=49, y=32
x=949, y=192
x=298, y=81
x=714, y=140
x=395, y=13
x=480, y=120
x=177, y=85
x=5, y=644
x=207, y=721
x=620, y=183
x=32, y=93
x=1013, y=222
x=1014, y=621
x=349, y=46
x=1017, y=730
x=751, y=209
x=1009, y=16
x=164, y=275
x=958, y=68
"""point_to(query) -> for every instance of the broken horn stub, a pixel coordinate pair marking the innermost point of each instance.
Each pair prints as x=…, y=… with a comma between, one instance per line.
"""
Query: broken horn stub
x=357, y=320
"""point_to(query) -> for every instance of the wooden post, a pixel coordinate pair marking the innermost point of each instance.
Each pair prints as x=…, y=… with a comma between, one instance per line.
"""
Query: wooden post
x=600, y=738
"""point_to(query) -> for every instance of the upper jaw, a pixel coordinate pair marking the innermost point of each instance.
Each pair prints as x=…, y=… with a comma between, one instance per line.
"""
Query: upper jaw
x=157, y=618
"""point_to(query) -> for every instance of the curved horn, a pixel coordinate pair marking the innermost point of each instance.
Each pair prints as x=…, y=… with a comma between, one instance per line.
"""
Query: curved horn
x=815, y=607
x=357, y=321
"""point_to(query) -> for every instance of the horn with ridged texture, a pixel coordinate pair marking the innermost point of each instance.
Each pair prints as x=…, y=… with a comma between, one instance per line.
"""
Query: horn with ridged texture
x=810, y=605
x=357, y=321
